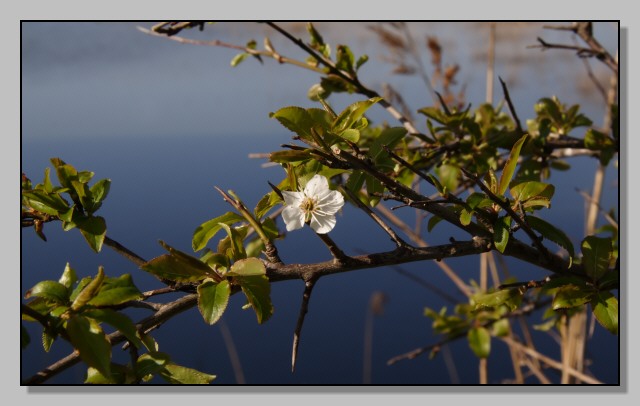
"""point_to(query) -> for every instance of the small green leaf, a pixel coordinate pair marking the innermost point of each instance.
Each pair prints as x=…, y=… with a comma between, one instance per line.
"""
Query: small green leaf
x=350, y=115
x=596, y=255
x=525, y=191
x=501, y=233
x=233, y=246
x=247, y=267
x=361, y=61
x=50, y=290
x=351, y=134
x=93, y=229
x=118, y=320
x=569, y=296
x=115, y=291
x=94, y=348
x=605, y=308
x=49, y=203
x=290, y=156
x=295, y=119
x=257, y=290
x=449, y=177
x=510, y=165
x=151, y=363
x=479, y=341
x=177, y=374
x=238, y=59
x=213, y=299
x=69, y=277
x=99, y=192
x=344, y=58
x=120, y=375
x=432, y=222
x=177, y=266
x=89, y=291
x=508, y=297
x=551, y=233
x=208, y=229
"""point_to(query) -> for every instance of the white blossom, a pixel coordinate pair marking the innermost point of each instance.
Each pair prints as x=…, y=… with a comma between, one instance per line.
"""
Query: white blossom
x=315, y=205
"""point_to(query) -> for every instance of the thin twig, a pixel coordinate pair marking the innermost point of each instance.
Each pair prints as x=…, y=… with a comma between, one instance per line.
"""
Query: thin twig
x=394, y=237
x=511, y=106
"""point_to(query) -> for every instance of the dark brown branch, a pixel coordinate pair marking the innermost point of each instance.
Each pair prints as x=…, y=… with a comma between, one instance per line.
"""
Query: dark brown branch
x=304, y=308
x=338, y=255
x=124, y=251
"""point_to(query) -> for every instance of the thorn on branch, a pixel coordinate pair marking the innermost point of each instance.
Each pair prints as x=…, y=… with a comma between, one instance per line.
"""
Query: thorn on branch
x=304, y=308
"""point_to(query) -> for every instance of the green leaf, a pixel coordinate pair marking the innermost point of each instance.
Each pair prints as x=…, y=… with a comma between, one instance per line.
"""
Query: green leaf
x=295, y=119
x=115, y=291
x=99, y=192
x=501, y=233
x=551, y=233
x=49, y=203
x=47, y=340
x=344, y=58
x=209, y=229
x=510, y=165
x=605, y=308
x=213, y=299
x=177, y=374
x=238, y=59
x=290, y=156
x=151, y=363
x=508, y=297
x=177, y=266
x=479, y=341
x=66, y=173
x=349, y=116
x=596, y=255
x=435, y=114
x=93, y=229
x=351, y=135
x=569, y=296
x=247, y=267
x=89, y=291
x=524, y=191
x=257, y=290
x=120, y=375
x=89, y=340
x=361, y=61
x=50, y=290
x=118, y=320
x=233, y=246
x=69, y=277
x=449, y=177
x=432, y=222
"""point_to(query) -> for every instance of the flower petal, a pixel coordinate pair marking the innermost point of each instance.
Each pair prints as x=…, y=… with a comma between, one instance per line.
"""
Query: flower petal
x=317, y=186
x=322, y=224
x=292, y=198
x=331, y=203
x=293, y=217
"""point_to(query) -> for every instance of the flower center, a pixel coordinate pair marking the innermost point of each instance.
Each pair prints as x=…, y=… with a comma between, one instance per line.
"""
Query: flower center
x=308, y=205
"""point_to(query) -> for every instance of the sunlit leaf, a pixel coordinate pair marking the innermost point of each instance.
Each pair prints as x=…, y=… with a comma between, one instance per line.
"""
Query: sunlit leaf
x=501, y=233
x=94, y=348
x=257, y=290
x=605, y=308
x=569, y=296
x=177, y=374
x=247, y=267
x=50, y=290
x=350, y=115
x=208, y=229
x=118, y=320
x=89, y=291
x=115, y=291
x=213, y=299
x=510, y=165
